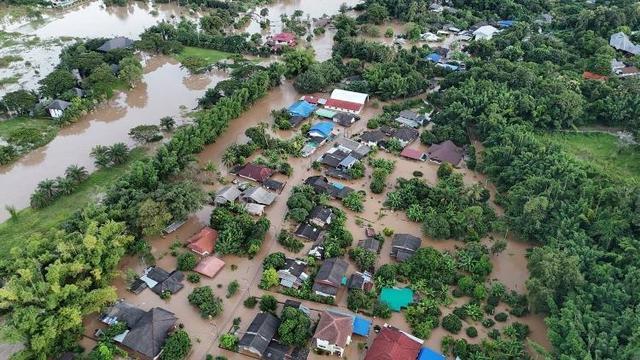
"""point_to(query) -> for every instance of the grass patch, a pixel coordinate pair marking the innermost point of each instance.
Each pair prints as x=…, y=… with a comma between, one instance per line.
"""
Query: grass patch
x=5, y=61
x=601, y=151
x=12, y=129
x=209, y=55
x=9, y=80
x=30, y=221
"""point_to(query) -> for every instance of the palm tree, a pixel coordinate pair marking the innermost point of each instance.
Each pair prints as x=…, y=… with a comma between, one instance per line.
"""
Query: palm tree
x=76, y=173
x=119, y=153
x=101, y=156
x=64, y=186
x=47, y=188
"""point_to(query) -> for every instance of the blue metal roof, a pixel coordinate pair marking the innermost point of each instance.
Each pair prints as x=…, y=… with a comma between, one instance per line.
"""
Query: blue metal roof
x=324, y=128
x=361, y=326
x=301, y=108
x=505, y=23
x=428, y=354
x=433, y=57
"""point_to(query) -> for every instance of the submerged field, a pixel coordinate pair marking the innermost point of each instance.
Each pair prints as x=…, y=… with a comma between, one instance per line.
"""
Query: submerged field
x=602, y=151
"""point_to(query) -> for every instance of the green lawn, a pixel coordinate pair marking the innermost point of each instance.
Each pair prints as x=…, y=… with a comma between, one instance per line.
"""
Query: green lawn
x=211, y=56
x=30, y=221
x=602, y=151
x=11, y=126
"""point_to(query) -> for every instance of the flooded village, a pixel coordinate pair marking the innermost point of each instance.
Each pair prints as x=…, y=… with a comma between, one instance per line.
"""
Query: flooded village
x=343, y=141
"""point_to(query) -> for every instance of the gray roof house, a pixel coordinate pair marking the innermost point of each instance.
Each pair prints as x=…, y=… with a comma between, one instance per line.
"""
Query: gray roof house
x=405, y=135
x=320, y=216
x=356, y=149
x=256, y=339
x=293, y=273
x=404, y=246
x=259, y=195
x=160, y=280
x=373, y=137
x=620, y=41
x=308, y=232
x=329, y=277
x=119, y=42
x=122, y=311
x=446, y=151
x=227, y=194
x=370, y=244
x=411, y=119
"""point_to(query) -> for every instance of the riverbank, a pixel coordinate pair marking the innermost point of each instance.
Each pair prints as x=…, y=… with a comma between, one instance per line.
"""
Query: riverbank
x=29, y=221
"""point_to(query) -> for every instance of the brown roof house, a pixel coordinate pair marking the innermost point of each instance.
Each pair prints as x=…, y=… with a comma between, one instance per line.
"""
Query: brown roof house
x=329, y=277
x=147, y=331
x=256, y=339
x=203, y=242
x=255, y=172
x=394, y=344
x=333, y=332
x=446, y=151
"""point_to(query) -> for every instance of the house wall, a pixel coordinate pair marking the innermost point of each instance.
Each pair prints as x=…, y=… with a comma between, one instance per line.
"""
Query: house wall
x=332, y=348
x=56, y=113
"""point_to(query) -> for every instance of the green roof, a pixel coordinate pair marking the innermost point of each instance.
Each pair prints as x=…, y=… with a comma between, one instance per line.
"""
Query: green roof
x=325, y=113
x=395, y=298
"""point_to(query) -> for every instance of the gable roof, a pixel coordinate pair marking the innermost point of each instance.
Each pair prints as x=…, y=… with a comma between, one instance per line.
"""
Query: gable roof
x=485, y=31
x=204, y=241
x=209, y=266
x=406, y=134
x=273, y=185
x=349, y=96
x=406, y=241
x=120, y=42
x=307, y=231
x=332, y=271
x=324, y=128
x=319, y=183
x=325, y=113
x=335, y=328
x=370, y=244
x=259, y=334
x=123, y=311
x=301, y=108
x=150, y=332
x=321, y=213
x=172, y=284
x=393, y=344
x=255, y=172
x=259, y=195
x=344, y=119
x=620, y=41
x=58, y=105
x=283, y=37
x=373, y=136
x=360, y=150
x=228, y=193
x=343, y=104
x=446, y=151
x=414, y=154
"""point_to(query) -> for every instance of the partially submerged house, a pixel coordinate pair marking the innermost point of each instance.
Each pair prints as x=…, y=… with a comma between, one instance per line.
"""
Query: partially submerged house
x=329, y=277
x=282, y=39
x=57, y=107
x=333, y=332
x=405, y=135
x=320, y=216
x=160, y=280
x=370, y=244
x=227, y=194
x=326, y=113
x=392, y=343
x=360, y=281
x=321, y=131
x=256, y=339
x=119, y=42
x=259, y=195
x=373, y=137
x=411, y=119
x=293, y=274
x=307, y=231
x=413, y=154
x=301, y=108
x=147, y=330
x=446, y=151
x=485, y=32
x=255, y=172
x=354, y=148
x=346, y=101
x=345, y=119
x=404, y=246
x=209, y=266
x=203, y=242
x=620, y=41
x=273, y=185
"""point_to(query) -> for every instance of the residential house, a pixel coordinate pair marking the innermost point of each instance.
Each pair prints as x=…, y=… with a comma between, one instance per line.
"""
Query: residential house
x=256, y=339
x=203, y=242
x=413, y=154
x=446, y=152
x=293, y=274
x=628, y=71
x=320, y=184
x=333, y=157
x=258, y=195
x=273, y=185
x=485, y=32
x=301, y=108
x=333, y=332
x=404, y=246
x=57, y=107
x=227, y=194
x=345, y=119
x=326, y=113
x=354, y=148
x=254, y=209
x=373, y=137
x=282, y=39
x=308, y=232
x=620, y=41
x=329, y=277
x=315, y=100
x=209, y=266
x=321, y=131
x=120, y=42
x=411, y=119
x=296, y=305
x=405, y=135
x=317, y=249
x=321, y=216
x=392, y=343
x=296, y=120
x=277, y=351
x=147, y=330
x=160, y=280
x=255, y=172
x=370, y=244
x=360, y=281
x=433, y=57
x=339, y=191
x=346, y=101
x=429, y=37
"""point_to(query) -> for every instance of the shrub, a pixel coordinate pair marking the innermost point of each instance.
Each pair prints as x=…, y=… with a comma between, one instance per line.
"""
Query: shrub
x=489, y=309
x=203, y=298
x=193, y=278
x=452, y=323
x=289, y=242
x=274, y=260
x=187, y=261
x=268, y=303
x=387, y=231
x=232, y=288
x=177, y=346
x=229, y=342
x=494, y=334
x=250, y=302
x=488, y=322
x=381, y=310
x=354, y=201
x=445, y=170
x=471, y=332
x=460, y=312
x=501, y=317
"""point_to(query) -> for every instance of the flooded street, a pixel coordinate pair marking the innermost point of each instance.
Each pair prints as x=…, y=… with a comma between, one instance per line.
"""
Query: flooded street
x=108, y=124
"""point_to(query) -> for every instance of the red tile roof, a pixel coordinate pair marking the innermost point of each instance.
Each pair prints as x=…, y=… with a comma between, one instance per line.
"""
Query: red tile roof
x=209, y=266
x=587, y=75
x=334, y=328
x=284, y=37
x=204, y=241
x=255, y=172
x=412, y=153
x=342, y=104
x=393, y=344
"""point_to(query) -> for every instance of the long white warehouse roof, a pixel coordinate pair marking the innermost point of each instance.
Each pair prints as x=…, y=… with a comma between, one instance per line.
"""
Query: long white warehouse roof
x=351, y=96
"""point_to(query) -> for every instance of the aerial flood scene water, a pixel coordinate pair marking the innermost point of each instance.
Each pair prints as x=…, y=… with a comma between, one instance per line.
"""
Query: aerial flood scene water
x=304, y=179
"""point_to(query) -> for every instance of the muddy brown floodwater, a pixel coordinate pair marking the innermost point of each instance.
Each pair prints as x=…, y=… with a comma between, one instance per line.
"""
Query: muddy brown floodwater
x=166, y=90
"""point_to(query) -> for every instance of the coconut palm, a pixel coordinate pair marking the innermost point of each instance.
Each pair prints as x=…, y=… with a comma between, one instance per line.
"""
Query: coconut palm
x=76, y=173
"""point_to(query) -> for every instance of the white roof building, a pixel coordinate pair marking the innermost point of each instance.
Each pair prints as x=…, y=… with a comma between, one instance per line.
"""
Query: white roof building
x=620, y=41
x=350, y=96
x=485, y=32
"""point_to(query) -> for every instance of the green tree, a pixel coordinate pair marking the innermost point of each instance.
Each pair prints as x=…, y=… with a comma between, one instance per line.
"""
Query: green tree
x=274, y=260
x=203, y=298
x=187, y=261
x=295, y=327
x=358, y=299
x=229, y=342
x=20, y=102
x=269, y=278
x=354, y=201
x=56, y=83
x=130, y=70
x=268, y=303
x=153, y=217
x=167, y=123
x=176, y=347
x=297, y=61
x=377, y=13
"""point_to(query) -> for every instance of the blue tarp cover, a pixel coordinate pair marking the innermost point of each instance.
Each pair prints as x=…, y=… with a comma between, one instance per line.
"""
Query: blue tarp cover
x=361, y=326
x=323, y=128
x=428, y=354
x=301, y=108
x=433, y=57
